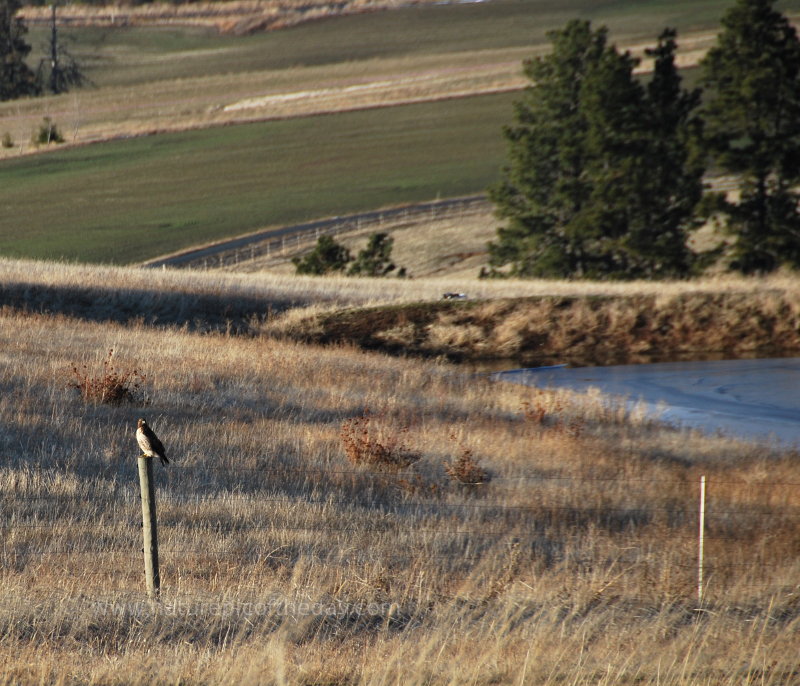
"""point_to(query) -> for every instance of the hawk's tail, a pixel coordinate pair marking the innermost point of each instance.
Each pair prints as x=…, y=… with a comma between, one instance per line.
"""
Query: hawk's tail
x=164, y=459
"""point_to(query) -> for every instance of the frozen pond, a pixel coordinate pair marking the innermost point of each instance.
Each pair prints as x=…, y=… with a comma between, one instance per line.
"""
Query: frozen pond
x=752, y=399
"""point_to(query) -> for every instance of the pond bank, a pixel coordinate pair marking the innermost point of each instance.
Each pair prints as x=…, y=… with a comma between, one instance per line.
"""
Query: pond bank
x=582, y=330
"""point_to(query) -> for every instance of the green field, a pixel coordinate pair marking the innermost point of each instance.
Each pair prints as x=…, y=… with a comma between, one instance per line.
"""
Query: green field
x=129, y=200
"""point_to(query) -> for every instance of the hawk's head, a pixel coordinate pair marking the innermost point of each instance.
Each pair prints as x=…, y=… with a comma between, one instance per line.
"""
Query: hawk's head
x=141, y=423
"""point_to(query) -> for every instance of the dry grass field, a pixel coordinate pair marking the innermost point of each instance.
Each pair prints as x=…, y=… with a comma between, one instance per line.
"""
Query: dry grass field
x=332, y=516
x=96, y=115
x=175, y=296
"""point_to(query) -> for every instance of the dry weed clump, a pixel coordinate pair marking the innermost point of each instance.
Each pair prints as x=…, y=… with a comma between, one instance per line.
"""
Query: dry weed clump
x=370, y=440
x=545, y=406
x=465, y=469
x=110, y=385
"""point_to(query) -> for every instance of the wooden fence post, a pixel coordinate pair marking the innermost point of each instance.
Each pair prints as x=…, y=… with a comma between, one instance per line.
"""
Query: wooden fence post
x=149, y=527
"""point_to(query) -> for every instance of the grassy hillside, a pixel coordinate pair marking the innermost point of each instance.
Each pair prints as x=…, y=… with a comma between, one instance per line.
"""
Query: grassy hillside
x=533, y=321
x=135, y=199
x=155, y=78
x=141, y=55
x=462, y=531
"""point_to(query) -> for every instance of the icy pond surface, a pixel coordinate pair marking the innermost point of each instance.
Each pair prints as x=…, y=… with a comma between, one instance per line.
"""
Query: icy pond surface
x=753, y=399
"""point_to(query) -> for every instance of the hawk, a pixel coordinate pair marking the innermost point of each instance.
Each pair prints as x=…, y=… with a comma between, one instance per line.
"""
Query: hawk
x=149, y=442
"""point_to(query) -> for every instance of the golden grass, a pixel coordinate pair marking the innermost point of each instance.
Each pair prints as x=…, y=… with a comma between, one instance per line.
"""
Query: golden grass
x=93, y=115
x=534, y=321
x=283, y=563
x=133, y=281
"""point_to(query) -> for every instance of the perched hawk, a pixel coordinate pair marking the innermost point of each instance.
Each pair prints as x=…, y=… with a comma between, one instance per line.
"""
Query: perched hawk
x=149, y=442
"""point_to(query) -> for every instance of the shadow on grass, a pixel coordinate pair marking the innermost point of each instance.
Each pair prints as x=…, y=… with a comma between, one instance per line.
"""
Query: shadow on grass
x=196, y=311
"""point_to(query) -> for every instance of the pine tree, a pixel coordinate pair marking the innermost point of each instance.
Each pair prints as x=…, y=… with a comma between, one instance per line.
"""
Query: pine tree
x=544, y=187
x=616, y=146
x=376, y=258
x=670, y=185
x=16, y=78
x=752, y=128
x=601, y=182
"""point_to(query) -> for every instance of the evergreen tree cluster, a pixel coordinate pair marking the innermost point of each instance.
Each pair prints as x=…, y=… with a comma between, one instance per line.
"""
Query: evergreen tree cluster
x=328, y=256
x=605, y=172
x=16, y=78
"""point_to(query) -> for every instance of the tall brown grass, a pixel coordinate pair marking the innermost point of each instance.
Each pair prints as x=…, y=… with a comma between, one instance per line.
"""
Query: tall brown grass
x=43, y=285
x=283, y=563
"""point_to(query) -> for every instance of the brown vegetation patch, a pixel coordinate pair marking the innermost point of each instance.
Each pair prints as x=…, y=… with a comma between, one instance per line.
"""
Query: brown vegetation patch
x=394, y=328
x=110, y=385
x=371, y=439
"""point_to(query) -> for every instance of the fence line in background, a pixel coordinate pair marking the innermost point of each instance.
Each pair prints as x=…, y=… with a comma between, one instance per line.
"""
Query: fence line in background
x=410, y=530
x=230, y=553
x=264, y=497
x=521, y=509
x=279, y=241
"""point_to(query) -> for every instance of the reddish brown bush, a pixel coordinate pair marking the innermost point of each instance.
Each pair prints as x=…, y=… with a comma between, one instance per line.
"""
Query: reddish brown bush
x=371, y=440
x=465, y=469
x=110, y=385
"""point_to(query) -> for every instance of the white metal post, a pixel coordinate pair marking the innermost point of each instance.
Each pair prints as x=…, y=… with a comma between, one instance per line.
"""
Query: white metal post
x=700, y=539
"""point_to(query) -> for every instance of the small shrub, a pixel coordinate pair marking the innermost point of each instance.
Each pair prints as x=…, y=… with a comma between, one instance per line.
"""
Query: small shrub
x=368, y=440
x=466, y=470
x=548, y=410
x=110, y=386
x=7, y=141
x=48, y=133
